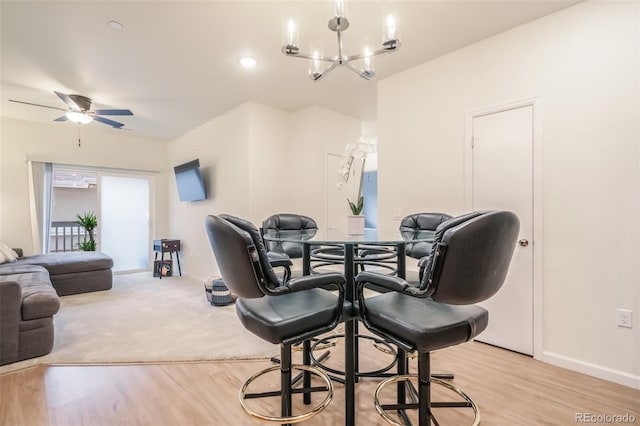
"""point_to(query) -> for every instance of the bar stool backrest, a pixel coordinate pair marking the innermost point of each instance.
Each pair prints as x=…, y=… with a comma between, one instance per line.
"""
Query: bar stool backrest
x=240, y=255
x=471, y=257
x=288, y=222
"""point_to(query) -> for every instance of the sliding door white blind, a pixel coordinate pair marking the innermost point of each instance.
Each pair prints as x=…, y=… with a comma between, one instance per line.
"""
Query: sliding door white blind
x=124, y=221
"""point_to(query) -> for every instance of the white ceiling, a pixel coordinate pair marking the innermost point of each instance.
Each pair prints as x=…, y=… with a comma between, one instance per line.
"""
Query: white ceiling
x=175, y=63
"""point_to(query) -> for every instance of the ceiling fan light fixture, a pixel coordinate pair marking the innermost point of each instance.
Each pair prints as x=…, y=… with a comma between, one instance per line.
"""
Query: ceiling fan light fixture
x=80, y=110
x=79, y=117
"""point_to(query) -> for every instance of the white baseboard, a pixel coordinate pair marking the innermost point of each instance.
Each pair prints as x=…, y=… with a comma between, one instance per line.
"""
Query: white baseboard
x=606, y=373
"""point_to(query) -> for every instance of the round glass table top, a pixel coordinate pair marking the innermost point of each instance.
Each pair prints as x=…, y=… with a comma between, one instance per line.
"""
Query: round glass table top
x=334, y=236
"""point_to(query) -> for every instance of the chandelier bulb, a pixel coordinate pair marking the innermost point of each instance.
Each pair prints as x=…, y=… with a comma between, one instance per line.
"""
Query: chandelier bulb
x=291, y=33
x=315, y=64
x=340, y=9
x=368, y=59
x=390, y=29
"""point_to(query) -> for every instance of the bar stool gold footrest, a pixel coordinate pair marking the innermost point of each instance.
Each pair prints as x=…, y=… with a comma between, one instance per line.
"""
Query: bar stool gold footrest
x=289, y=419
x=326, y=341
x=385, y=350
x=382, y=409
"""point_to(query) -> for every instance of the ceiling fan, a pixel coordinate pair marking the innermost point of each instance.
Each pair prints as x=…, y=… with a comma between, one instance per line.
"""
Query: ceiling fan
x=80, y=110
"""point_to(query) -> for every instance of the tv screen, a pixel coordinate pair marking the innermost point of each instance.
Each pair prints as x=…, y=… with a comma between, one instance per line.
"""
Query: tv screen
x=189, y=181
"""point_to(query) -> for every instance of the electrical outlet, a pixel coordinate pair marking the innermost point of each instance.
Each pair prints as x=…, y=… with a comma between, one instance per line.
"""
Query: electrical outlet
x=623, y=318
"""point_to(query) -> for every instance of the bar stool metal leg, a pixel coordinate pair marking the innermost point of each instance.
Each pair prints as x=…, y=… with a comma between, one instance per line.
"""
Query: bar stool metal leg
x=285, y=382
x=424, y=389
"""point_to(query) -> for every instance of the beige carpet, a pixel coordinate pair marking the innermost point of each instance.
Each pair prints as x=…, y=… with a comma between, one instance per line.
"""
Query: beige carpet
x=145, y=319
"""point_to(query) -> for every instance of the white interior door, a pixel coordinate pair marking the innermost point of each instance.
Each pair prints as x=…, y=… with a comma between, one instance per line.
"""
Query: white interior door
x=503, y=179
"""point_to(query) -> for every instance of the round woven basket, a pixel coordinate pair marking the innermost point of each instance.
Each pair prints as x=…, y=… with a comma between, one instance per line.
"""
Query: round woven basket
x=218, y=293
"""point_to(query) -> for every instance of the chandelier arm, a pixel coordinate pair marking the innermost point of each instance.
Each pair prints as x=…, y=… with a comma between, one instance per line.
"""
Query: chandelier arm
x=307, y=56
x=356, y=57
x=357, y=71
x=331, y=68
x=374, y=53
x=320, y=76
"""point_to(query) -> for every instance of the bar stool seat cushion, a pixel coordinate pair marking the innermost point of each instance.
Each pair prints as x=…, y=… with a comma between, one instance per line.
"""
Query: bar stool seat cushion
x=423, y=323
x=275, y=319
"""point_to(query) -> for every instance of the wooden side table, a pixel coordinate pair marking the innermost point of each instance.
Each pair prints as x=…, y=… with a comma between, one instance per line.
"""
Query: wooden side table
x=167, y=246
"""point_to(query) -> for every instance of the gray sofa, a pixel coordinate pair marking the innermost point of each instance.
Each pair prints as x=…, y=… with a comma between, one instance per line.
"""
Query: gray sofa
x=73, y=273
x=29, y=290
x=27, y=305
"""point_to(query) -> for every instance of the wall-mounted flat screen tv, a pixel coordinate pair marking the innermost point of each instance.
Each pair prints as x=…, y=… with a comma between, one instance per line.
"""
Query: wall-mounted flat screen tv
x=189, y=181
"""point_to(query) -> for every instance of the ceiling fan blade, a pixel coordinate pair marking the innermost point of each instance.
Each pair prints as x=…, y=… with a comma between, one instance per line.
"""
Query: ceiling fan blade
x=113, y=112
x=39, y=105
x=109, y=122
x=67, y=100
x=63, y=118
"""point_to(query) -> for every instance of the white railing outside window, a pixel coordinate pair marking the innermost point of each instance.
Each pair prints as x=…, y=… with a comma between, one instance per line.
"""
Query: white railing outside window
x=65, y=236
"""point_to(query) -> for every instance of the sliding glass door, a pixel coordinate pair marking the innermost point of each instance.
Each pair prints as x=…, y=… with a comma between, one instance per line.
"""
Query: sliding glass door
x=122, y=204
x=125, y=220
x=74, y=192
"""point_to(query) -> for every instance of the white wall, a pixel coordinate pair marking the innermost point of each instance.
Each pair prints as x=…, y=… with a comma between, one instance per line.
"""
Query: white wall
x=582, y=63
x=221, y=145
x=67, y=202
x=262, y=161
x=316, y=131
x=58, y=143
x=269, y=161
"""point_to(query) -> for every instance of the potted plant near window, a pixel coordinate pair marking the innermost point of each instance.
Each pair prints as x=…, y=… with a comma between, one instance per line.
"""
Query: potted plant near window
x=88, y=221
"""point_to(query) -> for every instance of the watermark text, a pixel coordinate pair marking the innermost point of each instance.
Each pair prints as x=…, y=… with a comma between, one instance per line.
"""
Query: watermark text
x=605, y=418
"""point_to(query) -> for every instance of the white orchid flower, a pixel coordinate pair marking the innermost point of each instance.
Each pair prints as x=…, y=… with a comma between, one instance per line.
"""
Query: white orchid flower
x=354, y=151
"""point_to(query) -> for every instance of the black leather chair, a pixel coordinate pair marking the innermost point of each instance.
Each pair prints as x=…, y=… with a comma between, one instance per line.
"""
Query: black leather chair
x=468, y=264
x=281, y=253
x=280, y=313
x=421, y=222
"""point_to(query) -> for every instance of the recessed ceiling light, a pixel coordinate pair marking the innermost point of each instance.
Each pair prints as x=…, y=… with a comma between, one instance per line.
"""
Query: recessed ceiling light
x=115, y=25
x=248, y=62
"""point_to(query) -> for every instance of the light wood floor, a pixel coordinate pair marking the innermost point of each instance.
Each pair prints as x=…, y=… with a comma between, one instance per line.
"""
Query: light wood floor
x=510, y=389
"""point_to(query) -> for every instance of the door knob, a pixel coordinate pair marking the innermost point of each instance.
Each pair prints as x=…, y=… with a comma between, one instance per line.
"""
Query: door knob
x=523, y=242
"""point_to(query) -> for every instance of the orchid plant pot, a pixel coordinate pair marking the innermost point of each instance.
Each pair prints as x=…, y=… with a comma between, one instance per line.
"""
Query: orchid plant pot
x=355, y=224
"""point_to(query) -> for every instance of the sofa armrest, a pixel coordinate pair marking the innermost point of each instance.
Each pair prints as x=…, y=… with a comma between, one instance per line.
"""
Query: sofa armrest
x=10, y=305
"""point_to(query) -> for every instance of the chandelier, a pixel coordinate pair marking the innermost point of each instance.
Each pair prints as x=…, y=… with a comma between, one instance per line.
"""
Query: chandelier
x=318, y=63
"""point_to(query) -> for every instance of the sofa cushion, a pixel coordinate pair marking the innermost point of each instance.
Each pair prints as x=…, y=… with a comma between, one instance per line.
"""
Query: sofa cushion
x=69, y=263
x=39, y=298
x=34, y=324
x=15, y=268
